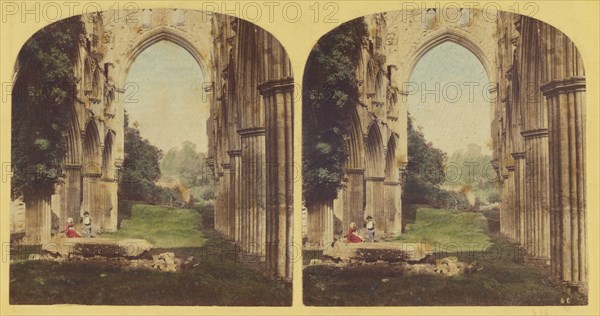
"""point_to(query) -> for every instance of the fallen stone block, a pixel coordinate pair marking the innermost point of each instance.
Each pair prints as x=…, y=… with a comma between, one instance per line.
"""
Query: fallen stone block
x=166, y=262
x=102, y=247
x=448, y=266
x=314, y=262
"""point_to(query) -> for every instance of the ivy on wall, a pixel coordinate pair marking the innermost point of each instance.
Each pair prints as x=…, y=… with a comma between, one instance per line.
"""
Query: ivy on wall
x=44, y=92
x=330, y=90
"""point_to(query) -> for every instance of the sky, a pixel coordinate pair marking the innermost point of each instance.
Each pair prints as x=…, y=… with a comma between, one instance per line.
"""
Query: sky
x=461, y=115
x=170, y=107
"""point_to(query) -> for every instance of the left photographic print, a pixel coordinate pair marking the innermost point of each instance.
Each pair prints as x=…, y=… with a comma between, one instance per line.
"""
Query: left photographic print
x=152, y=162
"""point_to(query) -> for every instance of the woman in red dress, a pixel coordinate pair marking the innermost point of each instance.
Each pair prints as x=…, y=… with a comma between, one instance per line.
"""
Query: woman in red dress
x=69, y=231
x=352, y=236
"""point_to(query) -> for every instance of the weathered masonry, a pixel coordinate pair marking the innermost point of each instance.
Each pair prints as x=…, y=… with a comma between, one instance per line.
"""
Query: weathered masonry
x=249, y=130
x=539, y=138
x=537, y=94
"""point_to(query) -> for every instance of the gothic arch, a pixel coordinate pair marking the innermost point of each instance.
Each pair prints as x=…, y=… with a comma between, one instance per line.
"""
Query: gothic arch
x=391, y=165
x=73, y=139
x=97, y=83
x=156, y=35
x=107, y=156
x=371, y=79
x=462, y=38
x=380, y=85
x=91, y=149
x=355, y=144
x=88, y=75
x=374, y=151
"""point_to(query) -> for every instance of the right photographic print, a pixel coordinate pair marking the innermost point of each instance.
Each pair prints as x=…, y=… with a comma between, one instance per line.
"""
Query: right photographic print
x=444, y=162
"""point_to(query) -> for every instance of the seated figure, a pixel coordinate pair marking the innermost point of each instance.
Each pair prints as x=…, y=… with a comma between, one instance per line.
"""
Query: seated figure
x=352, y=236
x=69, y=231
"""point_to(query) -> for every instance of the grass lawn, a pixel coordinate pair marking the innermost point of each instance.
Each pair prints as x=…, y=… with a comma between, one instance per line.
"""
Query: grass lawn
x=504, y=279
x=162, y=226
x=447, y=229
x=221, y=278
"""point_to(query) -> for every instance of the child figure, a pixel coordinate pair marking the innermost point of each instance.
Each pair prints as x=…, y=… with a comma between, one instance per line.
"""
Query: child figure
x=370, y=229
x=69, y=231
x=87, y=222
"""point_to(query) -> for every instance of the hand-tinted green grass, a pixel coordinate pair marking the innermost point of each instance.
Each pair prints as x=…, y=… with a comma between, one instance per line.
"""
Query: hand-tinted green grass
x=447, y=229
x=163, y=227
x=503, y=279
x=221, y=275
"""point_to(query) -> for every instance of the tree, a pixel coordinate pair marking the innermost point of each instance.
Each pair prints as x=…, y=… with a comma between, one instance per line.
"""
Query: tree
x=141, y=167
x=330, y=91
x=425, y=170
x=42, y=99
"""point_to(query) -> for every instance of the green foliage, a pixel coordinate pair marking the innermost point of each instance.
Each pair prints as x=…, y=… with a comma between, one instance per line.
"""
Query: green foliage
x=494, y=197
x=141, y=169
x=330, y=91
x=42, y=99
x=425, y=171
x=191, y=168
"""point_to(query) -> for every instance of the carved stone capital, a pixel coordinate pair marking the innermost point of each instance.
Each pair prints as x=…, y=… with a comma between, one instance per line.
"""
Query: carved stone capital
x=535, y=133
x=276, y=85
x=518, y=155
x=252, y=131
x=566, y=85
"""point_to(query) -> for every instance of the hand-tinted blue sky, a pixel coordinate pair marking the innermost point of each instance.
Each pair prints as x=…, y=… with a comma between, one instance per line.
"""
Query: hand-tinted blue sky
x=451, y=104
x=170, y=107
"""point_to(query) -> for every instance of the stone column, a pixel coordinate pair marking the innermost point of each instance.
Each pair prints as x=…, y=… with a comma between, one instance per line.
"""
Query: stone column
x=392, y=207
x=236, y=196
x=219, y=201
x=398, y=220
x=93, y=199
x=71, y=197
x=510, y=209
x=353, y=198
x=564, y=90
x=537, y=232
x=102, y=201
x=112, y=202
x=254, y=186
x=375, y=203
x=505, y=205
x=519, y=197
x=566, y=111
x=338, y=212
x=320, y=224
x=278, y=95
x=38, y=220
x=226, y=213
